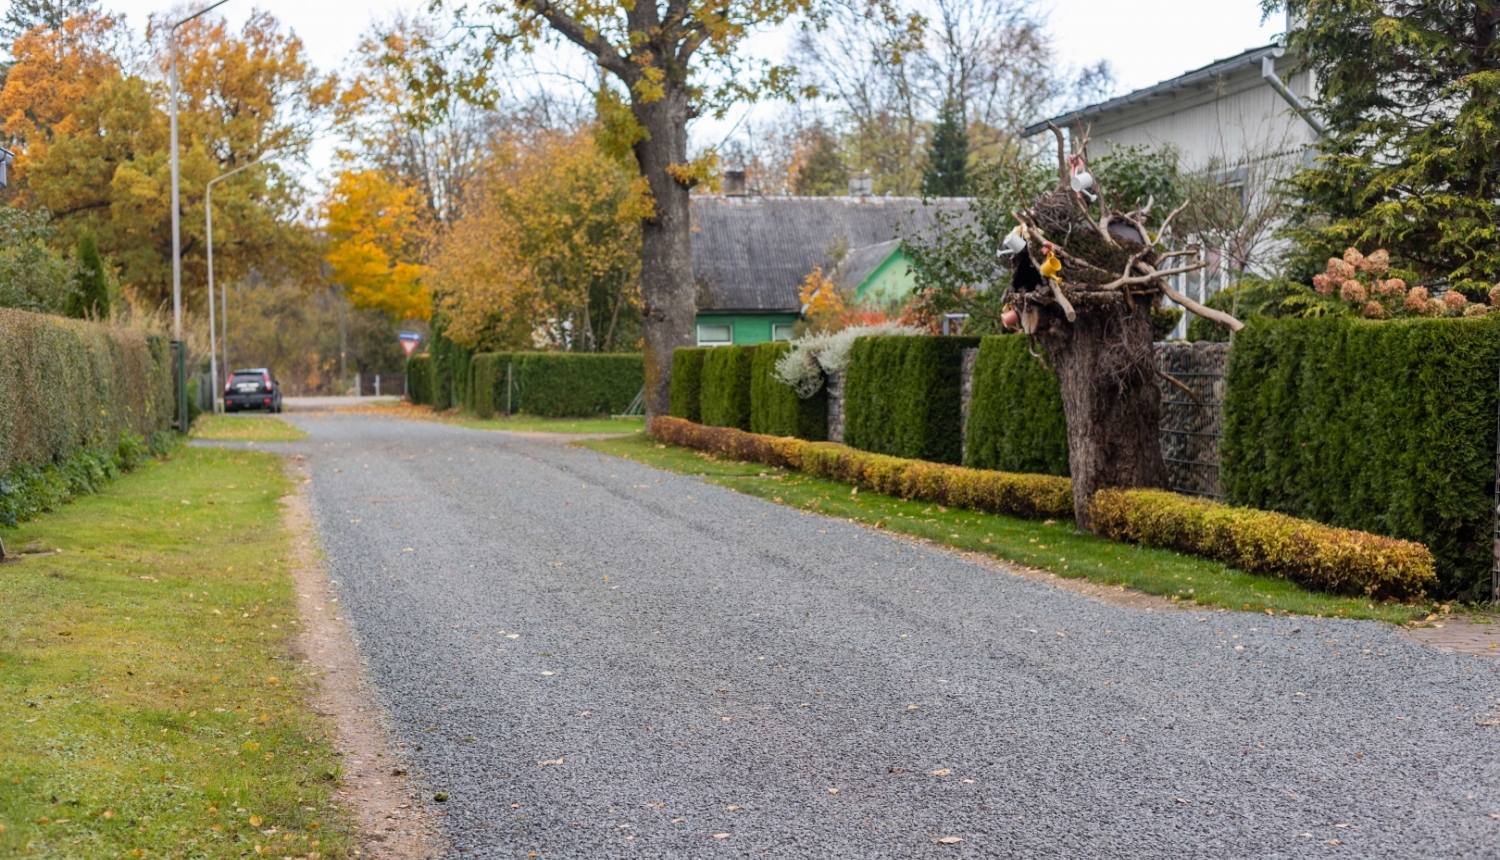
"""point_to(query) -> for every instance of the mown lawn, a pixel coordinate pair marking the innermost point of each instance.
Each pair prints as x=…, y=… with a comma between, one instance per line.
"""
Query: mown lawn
x=245, y=428
x=150, y=705
x=1055, y=546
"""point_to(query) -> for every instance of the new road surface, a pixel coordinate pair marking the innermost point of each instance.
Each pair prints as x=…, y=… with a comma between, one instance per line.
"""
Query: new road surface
x=592, y=659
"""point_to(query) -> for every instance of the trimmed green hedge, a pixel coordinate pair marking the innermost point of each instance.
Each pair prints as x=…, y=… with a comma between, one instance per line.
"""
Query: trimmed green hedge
x=450, y=370
x=555, y=384
x=687, y=382
x=725, y=391
x=419, y=379
x=1016, y=420
x=78, y=402
x=1385, y=427
x=901, y=396
x=775, y=408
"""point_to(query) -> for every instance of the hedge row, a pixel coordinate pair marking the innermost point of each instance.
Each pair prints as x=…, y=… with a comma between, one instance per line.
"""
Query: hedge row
x=902, y=396
x=1016, y=420
x=1029, y=496
x=78, y=401
x=1339, y=561
x=687, y=383
x=775, y=408
x=1386, y=427
x=554, y=384
x=419, y=379
x=724, y=396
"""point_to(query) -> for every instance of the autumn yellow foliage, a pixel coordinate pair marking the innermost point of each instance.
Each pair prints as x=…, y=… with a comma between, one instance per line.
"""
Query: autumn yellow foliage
x=375, y=244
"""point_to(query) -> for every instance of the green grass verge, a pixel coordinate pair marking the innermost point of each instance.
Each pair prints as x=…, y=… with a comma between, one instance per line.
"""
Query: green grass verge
x=1054, y=546
x=245, y=428
x=149, y=703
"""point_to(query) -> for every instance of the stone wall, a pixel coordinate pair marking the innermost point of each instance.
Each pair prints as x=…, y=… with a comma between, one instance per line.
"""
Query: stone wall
x=835, y=385
x=1191, y=423
x=966, y=394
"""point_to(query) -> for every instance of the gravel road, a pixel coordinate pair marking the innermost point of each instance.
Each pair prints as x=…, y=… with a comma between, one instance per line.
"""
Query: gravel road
x=596, y=659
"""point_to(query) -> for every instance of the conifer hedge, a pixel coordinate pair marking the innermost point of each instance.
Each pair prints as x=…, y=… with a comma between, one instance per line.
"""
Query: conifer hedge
x=554, y=384
x=78, y=402
x=902, y=397
x=1386, y=427
x=1016, y=420
x=725, y=389
x=687, y=382
x=775, y=408
x=419, y=379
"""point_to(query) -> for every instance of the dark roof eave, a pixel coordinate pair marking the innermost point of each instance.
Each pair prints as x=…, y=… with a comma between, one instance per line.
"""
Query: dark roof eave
x=1190, y=80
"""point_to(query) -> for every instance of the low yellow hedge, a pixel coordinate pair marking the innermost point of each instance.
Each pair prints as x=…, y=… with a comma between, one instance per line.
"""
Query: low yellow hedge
x=1339, y=561
x=1028, y=496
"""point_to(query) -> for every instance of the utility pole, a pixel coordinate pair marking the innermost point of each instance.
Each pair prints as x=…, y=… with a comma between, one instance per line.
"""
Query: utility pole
x=182, y=408
x=343, y=346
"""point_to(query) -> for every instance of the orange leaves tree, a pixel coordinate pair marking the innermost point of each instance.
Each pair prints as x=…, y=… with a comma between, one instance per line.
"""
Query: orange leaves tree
x=375, y=241
x=552, y=237
x=676, y=59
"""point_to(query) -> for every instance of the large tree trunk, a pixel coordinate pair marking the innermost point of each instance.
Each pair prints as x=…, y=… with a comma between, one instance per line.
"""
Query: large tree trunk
x=1107, y=372
x=668, y=297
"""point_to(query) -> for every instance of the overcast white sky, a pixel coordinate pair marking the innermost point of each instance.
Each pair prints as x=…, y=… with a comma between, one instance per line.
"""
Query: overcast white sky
x=1145, y=41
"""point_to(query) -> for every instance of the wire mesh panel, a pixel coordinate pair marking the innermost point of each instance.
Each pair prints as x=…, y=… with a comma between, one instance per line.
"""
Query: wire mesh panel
x=1192, y=414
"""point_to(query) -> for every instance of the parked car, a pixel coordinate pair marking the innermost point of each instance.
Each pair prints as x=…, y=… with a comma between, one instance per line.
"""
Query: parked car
x=252, y=388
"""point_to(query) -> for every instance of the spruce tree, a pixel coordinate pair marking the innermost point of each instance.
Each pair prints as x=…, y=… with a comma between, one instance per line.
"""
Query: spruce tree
x=948, y=158
x=91, y=298
x=1410, y=94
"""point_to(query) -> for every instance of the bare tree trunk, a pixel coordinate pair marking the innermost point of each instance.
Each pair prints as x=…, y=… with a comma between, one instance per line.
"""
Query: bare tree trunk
x=1107, y=373
x=668, y=299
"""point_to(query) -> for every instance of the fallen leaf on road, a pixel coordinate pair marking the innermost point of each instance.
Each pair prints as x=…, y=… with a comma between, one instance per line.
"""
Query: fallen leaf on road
x=1331, y=842
x=549, y=673
x=949, y=840
x=942, y=771
x=555, y=761
x=911, y=707
x=1183, y=800
x=512, y=636
x=734, y=808
x=833, y=791
x=721, y=835
x=1340, y=825
x=407, y=549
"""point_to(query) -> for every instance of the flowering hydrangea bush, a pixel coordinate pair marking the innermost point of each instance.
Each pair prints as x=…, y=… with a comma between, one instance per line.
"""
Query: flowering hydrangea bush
x=1359, y=281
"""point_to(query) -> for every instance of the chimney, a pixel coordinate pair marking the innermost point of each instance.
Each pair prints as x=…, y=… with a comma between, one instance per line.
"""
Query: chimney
x=861, y=185
x=734, y=183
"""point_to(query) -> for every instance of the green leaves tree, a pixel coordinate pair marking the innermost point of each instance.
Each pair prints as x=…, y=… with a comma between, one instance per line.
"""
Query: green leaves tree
x=676, y=59
x=1410, y=93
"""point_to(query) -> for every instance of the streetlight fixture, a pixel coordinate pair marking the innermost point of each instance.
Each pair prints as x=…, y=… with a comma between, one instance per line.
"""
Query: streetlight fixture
x=177, y=223
x=208, y=225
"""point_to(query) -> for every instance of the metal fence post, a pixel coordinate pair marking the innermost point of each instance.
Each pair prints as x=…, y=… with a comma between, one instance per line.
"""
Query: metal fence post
x=509, y=381
x=1495, y=534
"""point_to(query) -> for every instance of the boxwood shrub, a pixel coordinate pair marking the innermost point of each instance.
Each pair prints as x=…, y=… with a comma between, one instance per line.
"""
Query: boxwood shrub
x=775, y=408
x=1016, y=421
x=78, y=402
x=725, y=389
x=901, y=396
x=1386, y=427
x=687, y=382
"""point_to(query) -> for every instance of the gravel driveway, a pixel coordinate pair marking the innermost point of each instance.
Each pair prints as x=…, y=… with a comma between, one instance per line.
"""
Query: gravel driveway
x=596, y=659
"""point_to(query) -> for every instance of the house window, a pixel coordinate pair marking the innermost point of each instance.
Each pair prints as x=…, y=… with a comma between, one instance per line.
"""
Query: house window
x=781, y=331
x=715, y=335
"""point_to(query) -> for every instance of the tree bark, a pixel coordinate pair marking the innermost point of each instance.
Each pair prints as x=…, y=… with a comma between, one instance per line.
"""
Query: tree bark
x=668, y=297
x=1106, y=370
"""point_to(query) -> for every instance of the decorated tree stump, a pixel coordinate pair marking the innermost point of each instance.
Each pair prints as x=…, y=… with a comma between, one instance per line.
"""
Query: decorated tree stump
x=1083, y=288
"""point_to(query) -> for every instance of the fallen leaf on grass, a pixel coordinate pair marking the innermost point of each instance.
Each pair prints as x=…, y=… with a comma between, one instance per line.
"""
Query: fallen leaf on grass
x=949, y=840
x=255, y=820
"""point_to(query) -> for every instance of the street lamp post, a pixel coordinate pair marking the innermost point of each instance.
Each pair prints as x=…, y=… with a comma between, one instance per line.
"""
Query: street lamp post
x=177, y=223
x=208, y=228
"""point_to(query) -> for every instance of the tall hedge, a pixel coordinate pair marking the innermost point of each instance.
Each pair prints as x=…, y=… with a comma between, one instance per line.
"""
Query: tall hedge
x=556, y=384
x=449, y=369
x=419, y=379
x=775, y=408
x=687, y=382
x=1016, y=420
x=78, y=400
x=725, y=389
x=902, y=396
x=1387, y=427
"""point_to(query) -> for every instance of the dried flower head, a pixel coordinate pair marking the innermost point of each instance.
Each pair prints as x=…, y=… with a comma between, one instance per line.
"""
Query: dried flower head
x=1376, y=264
x=1495, y=295
x=1353, y=292
x=1416, y=300
x=1454, y=301
x=1476, y=310
x=1433, y=308
x=1339, y=270
x=1374, y=311
x=1393, y=290
x=1325, y=284
x=1353, y=257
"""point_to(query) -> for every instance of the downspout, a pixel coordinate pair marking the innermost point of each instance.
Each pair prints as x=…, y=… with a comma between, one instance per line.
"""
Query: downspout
x=1268, y=71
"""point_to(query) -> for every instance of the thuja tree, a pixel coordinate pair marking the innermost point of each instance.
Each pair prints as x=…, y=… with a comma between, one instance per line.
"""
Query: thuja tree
x=1086, y=274
x=676, y=59
x=1410, y=93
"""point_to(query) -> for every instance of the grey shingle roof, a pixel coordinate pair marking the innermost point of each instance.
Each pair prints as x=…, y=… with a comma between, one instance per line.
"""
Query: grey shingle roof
x=863, y=261
x=751, y=253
